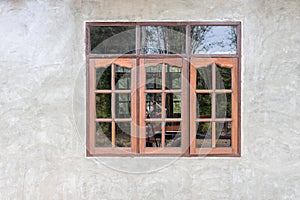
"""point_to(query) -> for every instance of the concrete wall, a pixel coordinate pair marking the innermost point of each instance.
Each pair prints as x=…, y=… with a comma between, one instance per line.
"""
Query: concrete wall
x=42, y=105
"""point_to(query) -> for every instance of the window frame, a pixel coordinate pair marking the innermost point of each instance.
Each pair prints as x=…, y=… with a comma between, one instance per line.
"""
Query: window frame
x=187, y=149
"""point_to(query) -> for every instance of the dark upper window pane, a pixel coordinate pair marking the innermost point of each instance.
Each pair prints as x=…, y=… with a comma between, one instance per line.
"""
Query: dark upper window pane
x=204, y=78
x=223, y=77
x=122, y=78
x=103, y=78
x=173, y=77
x=154, y=77
x=112, y=39
x=213, y=40
x=162, y=39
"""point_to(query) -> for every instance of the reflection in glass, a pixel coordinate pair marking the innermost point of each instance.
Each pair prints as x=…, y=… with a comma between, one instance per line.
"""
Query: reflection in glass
x=112, y=39
x=173, y=77
x=103, y=134
x=203, y=106
x=223, y=134
x=153, y=105
x=152, y=130
x=173, y=134
x=123, y=138
x=162, y=39
x=223, y=77
x=173, y=105
x=122, y=78
x=123, y=106
x=223, y=105
x=153, y=77
x=203, y=136
x=103, y=105
x=103, y=78
x=204, y=78
x=213, y=40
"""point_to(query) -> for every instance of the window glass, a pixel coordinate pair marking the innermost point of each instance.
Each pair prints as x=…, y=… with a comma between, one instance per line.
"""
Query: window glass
x=223, y=77
x=123, y=138
x=223, y=105
x=122, y=78
x=162, y=39
x=173, y=77
x=204, y=78
x=154, y=77
x=103, y=134
x=103, y=105
x=112, y=39
x=203, y=136
x=103, y=78
x=223, y=135
x=213, y=40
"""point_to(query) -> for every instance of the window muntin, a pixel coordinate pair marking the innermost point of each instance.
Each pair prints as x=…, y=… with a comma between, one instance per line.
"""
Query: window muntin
x=212, y=127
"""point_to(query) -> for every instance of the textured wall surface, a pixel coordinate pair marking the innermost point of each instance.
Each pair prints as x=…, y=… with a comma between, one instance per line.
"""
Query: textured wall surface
x=42, y=105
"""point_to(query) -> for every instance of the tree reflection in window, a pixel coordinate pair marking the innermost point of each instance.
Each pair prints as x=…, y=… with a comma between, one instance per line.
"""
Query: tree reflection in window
x=213, y=39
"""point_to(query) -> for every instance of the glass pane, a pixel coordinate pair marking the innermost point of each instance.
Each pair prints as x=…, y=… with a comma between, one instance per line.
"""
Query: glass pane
x=122, y=78
x=123, y=134
x=103, y=78
x=162, y=39
x=103, y=105
x=123, y=105
x=223, y=77
x=173, y=77
x=203, y=136
x=153, y=134
x=223, y=135
x=112, y=39
x=173, y=134
x=204, y=78
x=223, y=105
x=173, y=105
x=213, y=40
x=153, y=77
x=103, y=134
x=153, y=105
x=203, y=106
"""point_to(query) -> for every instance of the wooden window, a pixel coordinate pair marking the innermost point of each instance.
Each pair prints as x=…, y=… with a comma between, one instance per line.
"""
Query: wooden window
x=163, y=88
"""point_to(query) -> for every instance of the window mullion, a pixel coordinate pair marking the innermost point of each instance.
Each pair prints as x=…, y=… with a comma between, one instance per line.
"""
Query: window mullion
x=213, y=112
x=113, y=109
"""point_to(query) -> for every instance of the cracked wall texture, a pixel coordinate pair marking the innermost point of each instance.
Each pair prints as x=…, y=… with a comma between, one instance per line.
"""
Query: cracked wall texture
x=42, y=105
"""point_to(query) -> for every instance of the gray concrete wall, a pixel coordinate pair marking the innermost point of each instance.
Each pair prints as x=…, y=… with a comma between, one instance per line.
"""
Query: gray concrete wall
x=42, y=105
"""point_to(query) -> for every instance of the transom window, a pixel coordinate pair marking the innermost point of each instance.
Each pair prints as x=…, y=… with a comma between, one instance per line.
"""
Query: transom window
x=163, y=88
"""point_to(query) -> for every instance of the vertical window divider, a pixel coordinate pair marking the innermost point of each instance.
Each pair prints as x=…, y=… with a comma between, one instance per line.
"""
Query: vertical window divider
x=186, y=90
x=213, y=112
x=136, y=91
x=113, y=103
x=163, y=104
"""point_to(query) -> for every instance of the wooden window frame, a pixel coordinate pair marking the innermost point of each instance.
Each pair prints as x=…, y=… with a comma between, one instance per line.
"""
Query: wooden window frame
x=189, y=64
